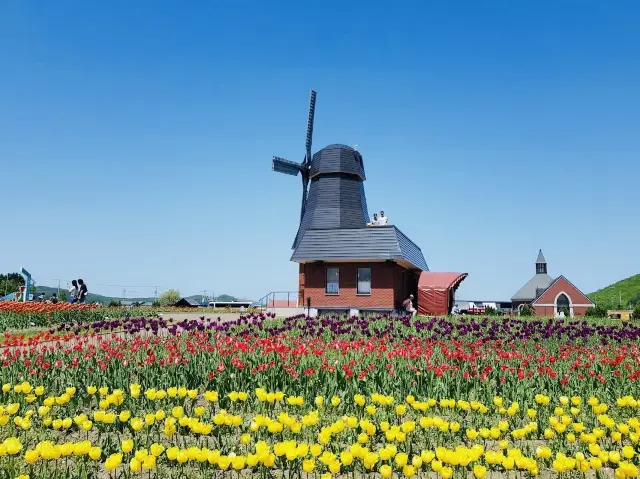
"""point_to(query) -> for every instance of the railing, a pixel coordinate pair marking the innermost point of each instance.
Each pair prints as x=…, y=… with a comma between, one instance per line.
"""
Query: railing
x=279, y=299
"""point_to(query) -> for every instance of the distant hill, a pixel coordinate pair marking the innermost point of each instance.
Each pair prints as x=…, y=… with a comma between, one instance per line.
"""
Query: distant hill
x=624, y=293
x=98, y=298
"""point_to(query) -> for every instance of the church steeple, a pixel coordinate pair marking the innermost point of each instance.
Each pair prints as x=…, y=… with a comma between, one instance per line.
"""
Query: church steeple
x=541, y=264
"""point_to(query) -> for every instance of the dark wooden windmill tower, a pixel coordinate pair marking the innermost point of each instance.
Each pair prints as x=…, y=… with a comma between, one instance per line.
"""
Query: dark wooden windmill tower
x=332, y=185
x=345, y=265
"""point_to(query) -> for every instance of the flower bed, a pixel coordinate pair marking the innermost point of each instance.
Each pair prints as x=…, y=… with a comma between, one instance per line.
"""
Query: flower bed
x=16, y=315
x=324, y=396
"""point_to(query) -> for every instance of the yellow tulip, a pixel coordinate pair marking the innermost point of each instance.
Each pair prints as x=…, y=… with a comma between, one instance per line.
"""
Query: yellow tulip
x=149, y=462
x=308, y=465
x=31, y=456
x=113, y=461
x=479, y=471
x=127, y=445
x=95, y=453
x=410, y=471
x=134, y=465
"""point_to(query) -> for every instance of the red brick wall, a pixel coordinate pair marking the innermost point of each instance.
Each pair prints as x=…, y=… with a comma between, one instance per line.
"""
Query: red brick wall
x=549, y=311
x=386, y=285
x=562, y=285
x=301, y=297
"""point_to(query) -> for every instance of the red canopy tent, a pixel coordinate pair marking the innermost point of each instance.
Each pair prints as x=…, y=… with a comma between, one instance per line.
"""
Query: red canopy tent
x=436, y=292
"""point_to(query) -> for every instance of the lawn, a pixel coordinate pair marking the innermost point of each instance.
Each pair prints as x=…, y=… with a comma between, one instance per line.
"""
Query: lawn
x=324, y=397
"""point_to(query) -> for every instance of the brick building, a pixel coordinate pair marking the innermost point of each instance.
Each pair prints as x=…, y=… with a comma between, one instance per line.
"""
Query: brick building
x=359, y=269
x=346, y=265
x=548, y=296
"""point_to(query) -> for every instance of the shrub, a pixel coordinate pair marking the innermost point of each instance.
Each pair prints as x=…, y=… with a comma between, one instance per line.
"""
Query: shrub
x=598, y=311
x=114, y=303
x=527, y=310
x=636, y=313
x=565, y=310
x=490, y=311
x=169, y=298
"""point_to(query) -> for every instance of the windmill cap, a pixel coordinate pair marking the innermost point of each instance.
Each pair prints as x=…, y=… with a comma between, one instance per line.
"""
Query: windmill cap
x=337, y=158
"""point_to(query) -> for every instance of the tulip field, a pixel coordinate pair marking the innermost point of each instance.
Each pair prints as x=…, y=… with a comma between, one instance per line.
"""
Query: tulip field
x=322, y=397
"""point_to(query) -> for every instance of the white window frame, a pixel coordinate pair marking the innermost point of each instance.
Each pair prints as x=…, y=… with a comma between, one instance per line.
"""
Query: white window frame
x=358, y=293
x=337, y=283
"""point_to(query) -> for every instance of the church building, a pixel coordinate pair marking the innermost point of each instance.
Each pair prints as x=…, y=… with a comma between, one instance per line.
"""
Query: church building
x=548, y=296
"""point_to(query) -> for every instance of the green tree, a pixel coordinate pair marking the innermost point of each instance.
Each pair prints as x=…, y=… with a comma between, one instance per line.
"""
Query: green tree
x=169, y=298
x=527, y=310
x=636, y=313
x=598, y=311
x=63, y=295
x=10, y=283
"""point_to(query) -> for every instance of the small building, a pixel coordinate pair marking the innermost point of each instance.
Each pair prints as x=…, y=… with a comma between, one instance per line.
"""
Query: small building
x=357, y=269
x=623, y=314
x=436, y=292
x=549, y=296
x=187, y=303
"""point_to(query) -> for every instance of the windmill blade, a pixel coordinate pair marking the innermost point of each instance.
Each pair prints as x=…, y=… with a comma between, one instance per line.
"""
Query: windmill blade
x=285, y=166
x=312, y=112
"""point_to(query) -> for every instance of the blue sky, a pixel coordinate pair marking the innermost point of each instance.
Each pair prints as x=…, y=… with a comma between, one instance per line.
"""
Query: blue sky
x=138, y=136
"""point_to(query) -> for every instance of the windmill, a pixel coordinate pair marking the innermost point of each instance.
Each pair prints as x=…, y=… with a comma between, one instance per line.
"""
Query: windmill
x=291, y=167
x=332, y=185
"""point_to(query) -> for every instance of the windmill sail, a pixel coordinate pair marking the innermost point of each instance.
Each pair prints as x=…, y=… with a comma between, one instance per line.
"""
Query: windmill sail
x=285, y=166
x=312, y=113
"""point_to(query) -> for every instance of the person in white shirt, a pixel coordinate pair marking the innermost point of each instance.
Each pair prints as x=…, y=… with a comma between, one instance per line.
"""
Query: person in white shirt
x=374, y=222
x=408, y=306
x=382, y=219
x=73, y=292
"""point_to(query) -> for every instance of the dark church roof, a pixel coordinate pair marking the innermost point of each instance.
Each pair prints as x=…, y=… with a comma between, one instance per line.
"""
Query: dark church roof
x=541, y=259
x=376, y=243
x=533, y=288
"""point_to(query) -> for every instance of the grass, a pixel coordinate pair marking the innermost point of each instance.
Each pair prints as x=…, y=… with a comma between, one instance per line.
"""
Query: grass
x=624, y=293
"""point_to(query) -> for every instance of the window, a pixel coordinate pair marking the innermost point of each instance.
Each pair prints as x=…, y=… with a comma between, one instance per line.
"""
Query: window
x=333, y=281
x=364, y=281
x=563, y=305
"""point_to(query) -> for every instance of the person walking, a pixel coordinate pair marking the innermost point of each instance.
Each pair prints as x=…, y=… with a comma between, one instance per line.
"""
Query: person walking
x=82, y=291
x=73, y=292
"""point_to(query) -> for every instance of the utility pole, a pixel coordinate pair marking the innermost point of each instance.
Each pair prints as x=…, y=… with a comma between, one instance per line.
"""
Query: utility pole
x=56, y=279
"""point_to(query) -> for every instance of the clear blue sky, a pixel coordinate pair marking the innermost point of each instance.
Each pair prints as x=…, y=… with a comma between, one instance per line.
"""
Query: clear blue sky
x=138, y=136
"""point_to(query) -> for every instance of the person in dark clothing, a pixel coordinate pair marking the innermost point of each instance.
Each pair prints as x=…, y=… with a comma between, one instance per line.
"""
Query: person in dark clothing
x=53, y=299
x=82, y=291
